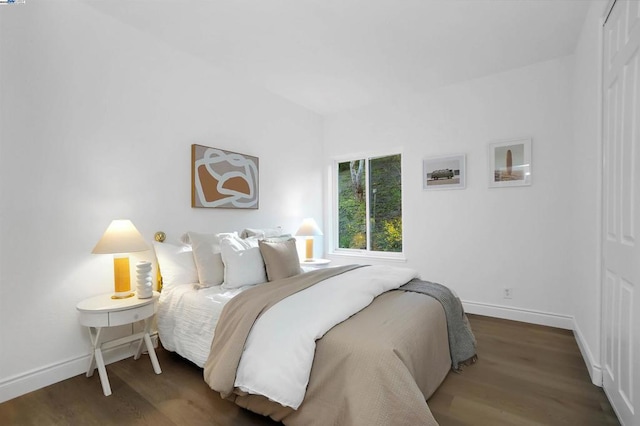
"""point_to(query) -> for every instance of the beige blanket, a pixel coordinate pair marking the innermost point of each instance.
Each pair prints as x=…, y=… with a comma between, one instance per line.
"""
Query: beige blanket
x=239, y=315
x=376, y=368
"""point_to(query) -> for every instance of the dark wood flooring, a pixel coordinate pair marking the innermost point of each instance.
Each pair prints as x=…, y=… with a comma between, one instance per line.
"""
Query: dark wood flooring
x=526, y=375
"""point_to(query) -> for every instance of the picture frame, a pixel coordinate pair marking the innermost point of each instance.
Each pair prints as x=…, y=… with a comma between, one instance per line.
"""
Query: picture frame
x=510, y=163
x=223, y=179
x=444, y=172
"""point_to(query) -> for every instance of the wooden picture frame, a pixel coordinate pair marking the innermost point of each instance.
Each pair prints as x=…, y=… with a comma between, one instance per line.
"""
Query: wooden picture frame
x=223, y=179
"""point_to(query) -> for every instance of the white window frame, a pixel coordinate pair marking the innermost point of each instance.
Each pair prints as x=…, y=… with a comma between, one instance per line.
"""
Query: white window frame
x=333, y=214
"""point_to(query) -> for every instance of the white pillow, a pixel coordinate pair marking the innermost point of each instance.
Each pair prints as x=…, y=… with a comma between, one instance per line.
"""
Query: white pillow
x=243, y=264
x=206, y=252
x=261, y=233
x=249, y=242
x=176, y=264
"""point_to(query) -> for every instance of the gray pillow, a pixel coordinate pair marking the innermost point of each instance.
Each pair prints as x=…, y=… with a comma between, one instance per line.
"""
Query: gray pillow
x=280, y=258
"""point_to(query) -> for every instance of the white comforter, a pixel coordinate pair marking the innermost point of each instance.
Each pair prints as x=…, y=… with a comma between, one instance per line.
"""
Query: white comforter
x=278, y=354
x=187, y=317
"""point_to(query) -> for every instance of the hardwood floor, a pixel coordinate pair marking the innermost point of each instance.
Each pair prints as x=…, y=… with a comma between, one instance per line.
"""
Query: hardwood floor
x=525, y=375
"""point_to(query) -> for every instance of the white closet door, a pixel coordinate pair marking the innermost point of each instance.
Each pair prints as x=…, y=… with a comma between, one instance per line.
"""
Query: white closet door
x=621, y=211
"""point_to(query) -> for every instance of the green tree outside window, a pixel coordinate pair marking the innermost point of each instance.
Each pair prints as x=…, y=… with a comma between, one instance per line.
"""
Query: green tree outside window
x=370, y=188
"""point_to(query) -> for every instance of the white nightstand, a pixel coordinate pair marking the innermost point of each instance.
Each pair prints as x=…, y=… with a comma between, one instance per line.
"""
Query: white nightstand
x=314, y=264
x=103, y=311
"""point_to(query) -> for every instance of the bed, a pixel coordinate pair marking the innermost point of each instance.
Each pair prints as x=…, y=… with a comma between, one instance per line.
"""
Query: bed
x=346, y=345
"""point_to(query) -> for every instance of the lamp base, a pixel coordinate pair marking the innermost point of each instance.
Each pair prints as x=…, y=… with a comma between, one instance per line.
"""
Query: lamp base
x=309, y=249
x=121, y=276
x=123, y=295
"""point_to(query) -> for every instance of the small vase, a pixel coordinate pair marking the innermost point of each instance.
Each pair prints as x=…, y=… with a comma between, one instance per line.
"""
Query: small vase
x=144, y=289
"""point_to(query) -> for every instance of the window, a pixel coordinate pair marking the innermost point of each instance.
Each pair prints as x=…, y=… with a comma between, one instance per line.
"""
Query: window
x=369, y=204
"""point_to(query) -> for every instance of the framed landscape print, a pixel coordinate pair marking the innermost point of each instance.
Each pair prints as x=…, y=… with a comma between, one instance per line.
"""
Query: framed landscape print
x=510, y=163
x=223, y=179
x=444, y=172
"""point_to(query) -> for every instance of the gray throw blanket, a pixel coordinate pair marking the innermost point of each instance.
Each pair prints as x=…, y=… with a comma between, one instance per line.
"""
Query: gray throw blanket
x=462, y=342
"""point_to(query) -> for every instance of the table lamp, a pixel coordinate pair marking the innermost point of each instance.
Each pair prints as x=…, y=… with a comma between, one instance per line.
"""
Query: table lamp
x=309, y=229
x=120, y=239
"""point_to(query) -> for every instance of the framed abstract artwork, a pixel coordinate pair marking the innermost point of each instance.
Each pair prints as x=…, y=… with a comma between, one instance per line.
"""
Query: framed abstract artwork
x=223, y=179
x=510, y=163
x=445, y=172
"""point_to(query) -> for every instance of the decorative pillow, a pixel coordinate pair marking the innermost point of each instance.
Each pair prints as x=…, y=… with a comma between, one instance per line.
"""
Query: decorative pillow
x=243, y=264
x=206, y=253
x=261, y=233
x=176, y=264
x=184, y=239
x=249, y=242
x=278, y=239
x=280, y=258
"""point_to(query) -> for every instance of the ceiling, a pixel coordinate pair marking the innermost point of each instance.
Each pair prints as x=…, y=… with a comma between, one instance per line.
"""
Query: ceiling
x=334, y=55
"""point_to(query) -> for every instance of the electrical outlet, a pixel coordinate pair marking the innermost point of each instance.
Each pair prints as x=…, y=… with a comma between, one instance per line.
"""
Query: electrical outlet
x=507, y=293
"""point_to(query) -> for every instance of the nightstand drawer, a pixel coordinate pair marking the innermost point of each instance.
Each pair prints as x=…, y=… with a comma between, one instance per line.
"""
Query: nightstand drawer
x=130, y=315
x=98, y=319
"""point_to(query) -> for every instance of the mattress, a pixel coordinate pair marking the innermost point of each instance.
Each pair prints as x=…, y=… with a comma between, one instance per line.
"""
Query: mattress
x=187, y=318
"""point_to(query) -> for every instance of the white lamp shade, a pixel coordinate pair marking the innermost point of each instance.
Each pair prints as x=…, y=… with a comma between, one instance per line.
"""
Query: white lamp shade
x=120, y=237
x=309, y=228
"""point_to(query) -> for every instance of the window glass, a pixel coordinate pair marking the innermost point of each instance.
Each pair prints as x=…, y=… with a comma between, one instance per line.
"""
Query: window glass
x=370, y=204
x=352, y=206
x=385, y=195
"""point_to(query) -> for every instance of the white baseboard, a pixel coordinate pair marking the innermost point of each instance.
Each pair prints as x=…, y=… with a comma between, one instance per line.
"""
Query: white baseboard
x=39, y=378
x=595, y=369
x=519, y=314
x=541, y=318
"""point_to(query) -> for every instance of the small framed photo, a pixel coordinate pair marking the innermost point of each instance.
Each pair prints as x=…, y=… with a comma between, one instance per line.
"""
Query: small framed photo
x=445, y=172
x=510, y=163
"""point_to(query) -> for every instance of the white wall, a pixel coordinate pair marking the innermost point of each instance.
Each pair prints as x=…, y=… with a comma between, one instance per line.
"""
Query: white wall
x=480, y=240
x=587, y=178
x=97, y=123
